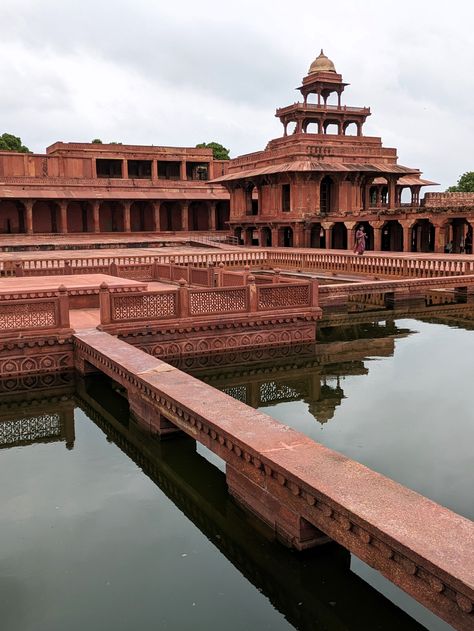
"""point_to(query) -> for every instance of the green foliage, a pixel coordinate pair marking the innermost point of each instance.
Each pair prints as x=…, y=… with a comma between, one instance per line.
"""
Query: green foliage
x=218, y=151
x=97, y=141
x=465, y=184
x=8, y=142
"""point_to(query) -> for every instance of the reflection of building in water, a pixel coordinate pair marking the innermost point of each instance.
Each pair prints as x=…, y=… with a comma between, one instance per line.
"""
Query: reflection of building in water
x=314, y=590
x=315, y=380
x=37, y=410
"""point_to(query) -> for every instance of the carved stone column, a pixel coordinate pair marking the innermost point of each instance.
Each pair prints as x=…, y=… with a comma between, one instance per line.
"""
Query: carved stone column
x=351, y=227
x=212, y=215
x=126, y=216
x=95, y=215
x=377, y=228
x=185, y=216
x=62, y=216
x=156, y=215
x=29, y=216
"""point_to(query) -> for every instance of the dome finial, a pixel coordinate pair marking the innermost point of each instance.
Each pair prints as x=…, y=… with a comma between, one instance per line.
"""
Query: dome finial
x=322, y=64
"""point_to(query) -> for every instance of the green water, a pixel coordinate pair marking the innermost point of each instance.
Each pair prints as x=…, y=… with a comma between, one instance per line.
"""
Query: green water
x=103, y=528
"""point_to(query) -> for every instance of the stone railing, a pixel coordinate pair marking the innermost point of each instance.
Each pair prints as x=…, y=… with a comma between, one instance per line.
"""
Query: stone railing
x=373, y=264
x=300, y=488
x=123, y=307
x=34, y=311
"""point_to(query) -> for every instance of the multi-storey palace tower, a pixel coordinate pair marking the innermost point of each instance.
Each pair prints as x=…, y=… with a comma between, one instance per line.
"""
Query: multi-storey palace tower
x=323, y=177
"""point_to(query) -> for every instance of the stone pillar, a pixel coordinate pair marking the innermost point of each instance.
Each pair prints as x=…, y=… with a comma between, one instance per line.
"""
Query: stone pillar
x=298, y=236
x=351, y=228
x=154, y=169
x=95, y=216
x=29, y=216
x=184, y=216
x=366, y=201
x=274, y=237
x=182, y=170
x=212, y=215
x=378, y=196
x=392, y=193
x=124, y=169
x=377, y=228
x=327, y=227
x=156, y=215
x=407, y=226
x=63, y=216
x=440, y=237
x=126, y=216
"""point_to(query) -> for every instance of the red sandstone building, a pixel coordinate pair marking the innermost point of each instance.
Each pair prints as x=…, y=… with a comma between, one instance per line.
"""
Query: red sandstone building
x=91, y=188
x=309, y=188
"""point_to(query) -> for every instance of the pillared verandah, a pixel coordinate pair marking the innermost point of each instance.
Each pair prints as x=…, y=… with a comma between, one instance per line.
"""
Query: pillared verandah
x=313, y=186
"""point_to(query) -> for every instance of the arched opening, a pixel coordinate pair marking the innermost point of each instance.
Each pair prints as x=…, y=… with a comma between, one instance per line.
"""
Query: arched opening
x=141, y=217
x=326, y=194
x=392, y=237
x=331, y=128
x=222, y=215
x=369, y=231
x=45, y=217
x=331, y=99
x=111, y=217
x=170, y=216
x=266, y=237
x=285, y=237
x=350, y=129
x=339, y=236
x=291, y=128
x=404, y=194
x=312, y=127
x=318, y=236
x=79, y=217
x=198, y=216
x=456, y=234
x=423, y=236
x=12, y=217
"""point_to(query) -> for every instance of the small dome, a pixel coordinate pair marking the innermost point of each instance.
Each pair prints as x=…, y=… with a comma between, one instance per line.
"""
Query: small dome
x=322, y=64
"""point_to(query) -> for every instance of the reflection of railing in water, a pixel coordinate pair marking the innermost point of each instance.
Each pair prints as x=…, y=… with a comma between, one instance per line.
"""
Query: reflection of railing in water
x=30, y=429
x=313, y=591
x=38, y=420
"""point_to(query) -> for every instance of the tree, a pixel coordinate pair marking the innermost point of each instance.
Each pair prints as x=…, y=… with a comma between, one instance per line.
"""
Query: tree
x=97, y=141
x=218, y=151
x=465, y=184
x=8, y=142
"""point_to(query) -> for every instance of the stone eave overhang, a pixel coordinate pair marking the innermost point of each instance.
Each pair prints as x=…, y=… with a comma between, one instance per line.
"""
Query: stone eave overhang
x=310, y=166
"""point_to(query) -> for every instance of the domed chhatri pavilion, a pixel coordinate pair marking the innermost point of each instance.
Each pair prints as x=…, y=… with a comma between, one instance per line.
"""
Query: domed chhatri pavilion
x=323, y=177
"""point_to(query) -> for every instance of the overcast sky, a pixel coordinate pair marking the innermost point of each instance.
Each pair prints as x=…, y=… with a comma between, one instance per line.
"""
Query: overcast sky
x=181, y=72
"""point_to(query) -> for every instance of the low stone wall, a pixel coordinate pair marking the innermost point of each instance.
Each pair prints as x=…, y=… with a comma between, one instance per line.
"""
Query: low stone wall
x=449, y=200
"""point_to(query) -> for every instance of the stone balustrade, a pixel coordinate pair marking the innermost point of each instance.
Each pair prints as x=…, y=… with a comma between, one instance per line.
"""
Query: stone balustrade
x=34, y=311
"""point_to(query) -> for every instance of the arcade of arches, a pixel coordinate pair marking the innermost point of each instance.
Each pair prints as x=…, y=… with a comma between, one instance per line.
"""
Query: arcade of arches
x=94, y=216
x=420, y=235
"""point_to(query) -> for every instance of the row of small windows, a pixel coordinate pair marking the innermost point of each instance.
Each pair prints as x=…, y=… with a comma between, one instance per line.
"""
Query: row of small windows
x=142, y=169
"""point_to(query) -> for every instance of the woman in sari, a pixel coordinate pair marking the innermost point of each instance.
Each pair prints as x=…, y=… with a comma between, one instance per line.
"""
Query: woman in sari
x=359, y=247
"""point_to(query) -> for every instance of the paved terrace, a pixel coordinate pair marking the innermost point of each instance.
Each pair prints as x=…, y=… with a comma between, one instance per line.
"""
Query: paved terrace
x=299, y=487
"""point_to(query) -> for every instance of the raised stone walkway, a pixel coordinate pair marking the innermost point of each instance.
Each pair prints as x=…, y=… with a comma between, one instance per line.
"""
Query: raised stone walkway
x=299, y=487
